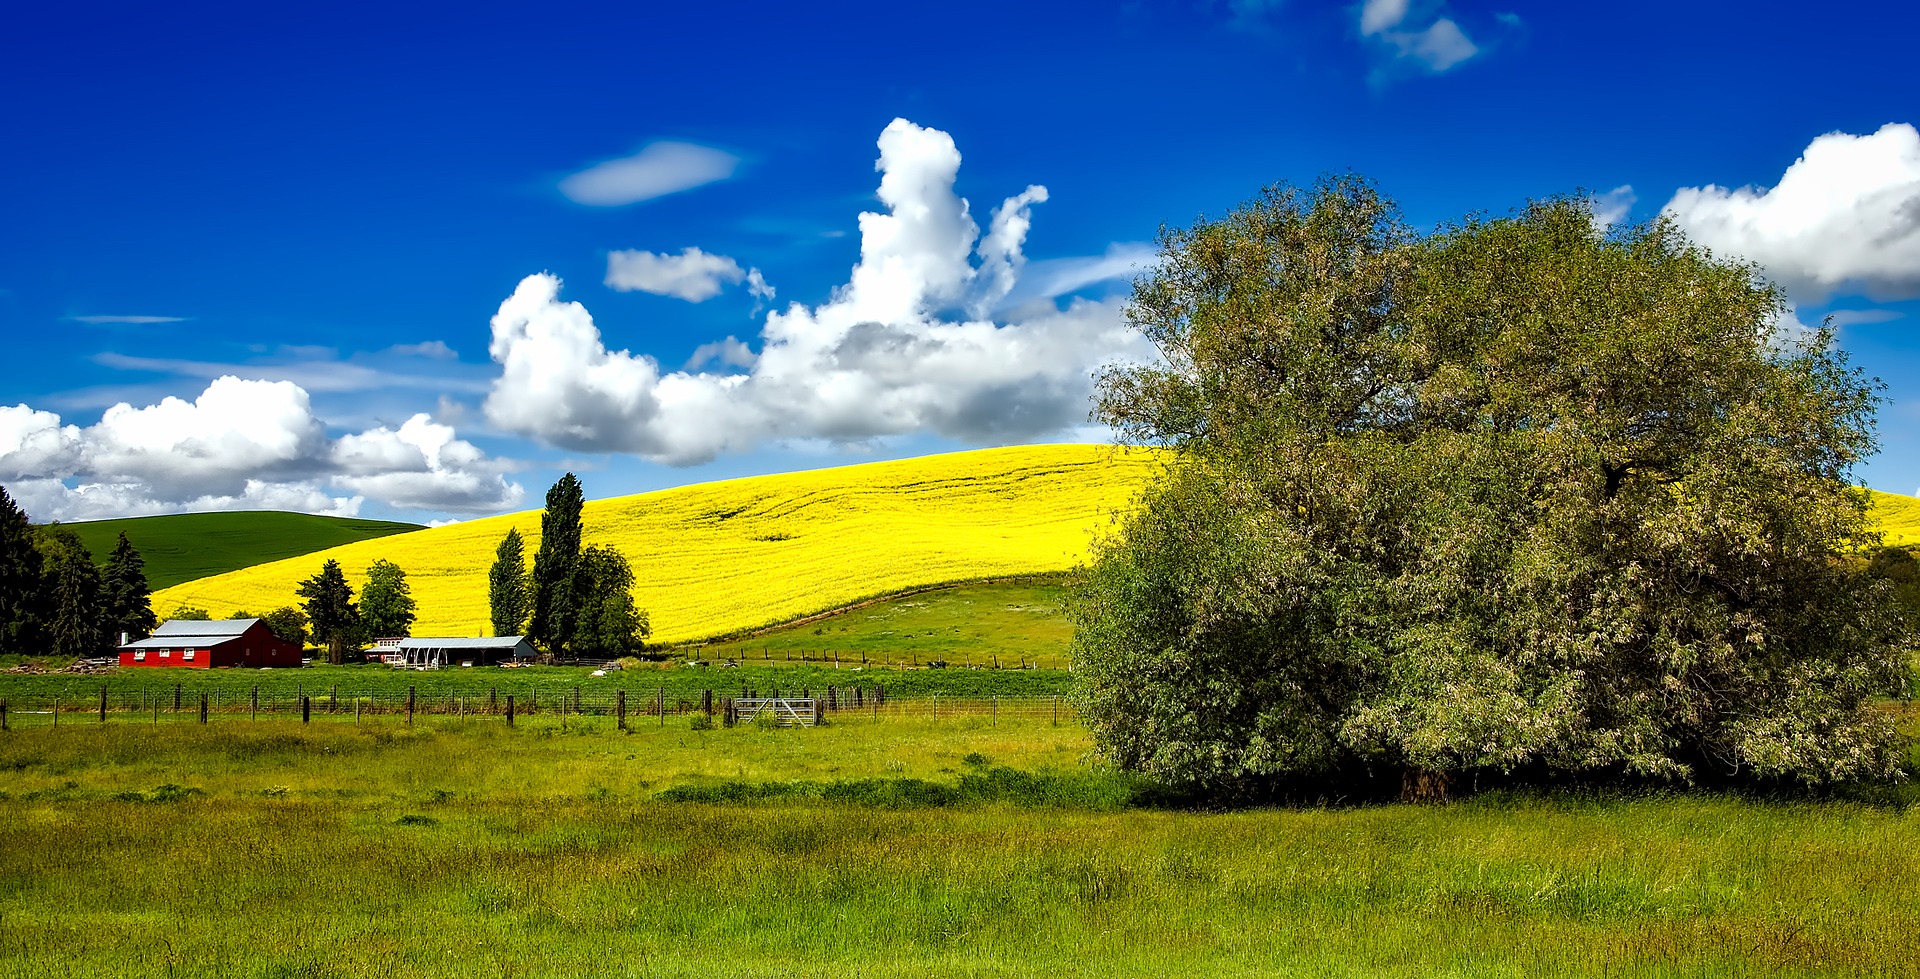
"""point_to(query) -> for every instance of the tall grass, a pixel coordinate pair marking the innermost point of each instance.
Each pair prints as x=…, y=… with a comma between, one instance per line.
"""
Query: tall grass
x=449, y=850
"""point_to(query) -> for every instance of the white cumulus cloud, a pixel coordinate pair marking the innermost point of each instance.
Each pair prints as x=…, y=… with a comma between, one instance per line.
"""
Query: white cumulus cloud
x=692, y=275
x=662, y=168
x=905, y=346
x=239, y=444
x=1845, y=216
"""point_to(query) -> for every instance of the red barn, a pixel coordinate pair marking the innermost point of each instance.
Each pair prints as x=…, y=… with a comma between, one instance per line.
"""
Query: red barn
x=204, y=645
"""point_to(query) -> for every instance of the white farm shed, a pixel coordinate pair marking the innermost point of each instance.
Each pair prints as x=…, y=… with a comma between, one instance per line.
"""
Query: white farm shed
x=433, y=652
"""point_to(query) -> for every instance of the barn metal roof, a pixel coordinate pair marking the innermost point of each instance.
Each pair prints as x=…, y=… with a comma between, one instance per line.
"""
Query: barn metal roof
x=463, y=642
x=202, y=629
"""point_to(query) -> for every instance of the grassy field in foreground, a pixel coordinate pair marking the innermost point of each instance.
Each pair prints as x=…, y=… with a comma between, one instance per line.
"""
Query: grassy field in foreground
x=184, y=546
x=723, y=558
x=462, y=851
x=135, y=690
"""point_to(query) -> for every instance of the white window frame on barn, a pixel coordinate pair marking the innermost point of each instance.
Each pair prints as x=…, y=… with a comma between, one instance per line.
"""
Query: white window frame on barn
x=139, y=654
x=166, y=654
x=189, y=654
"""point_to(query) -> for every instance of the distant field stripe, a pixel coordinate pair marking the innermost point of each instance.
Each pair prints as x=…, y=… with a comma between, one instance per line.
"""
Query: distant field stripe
x=722, y=558
x=184, y=546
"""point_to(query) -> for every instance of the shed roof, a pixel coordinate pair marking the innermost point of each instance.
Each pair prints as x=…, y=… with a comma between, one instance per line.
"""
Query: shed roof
x=463, y=642
x=201, y=629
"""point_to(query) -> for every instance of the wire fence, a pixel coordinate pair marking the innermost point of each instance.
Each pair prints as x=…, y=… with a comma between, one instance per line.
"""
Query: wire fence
x=209, y=705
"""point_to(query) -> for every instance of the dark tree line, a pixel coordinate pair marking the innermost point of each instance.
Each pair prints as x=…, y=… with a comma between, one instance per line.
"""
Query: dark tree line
x=577, y=600
x=54, y=600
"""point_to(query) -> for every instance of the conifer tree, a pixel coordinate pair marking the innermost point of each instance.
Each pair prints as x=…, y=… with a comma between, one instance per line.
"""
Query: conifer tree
x=329, y=606
x=22, y=592
x=125, y=597
x=76, y=627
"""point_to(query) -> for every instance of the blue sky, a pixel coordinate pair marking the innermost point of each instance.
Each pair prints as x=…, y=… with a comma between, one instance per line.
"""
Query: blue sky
x=414, y=261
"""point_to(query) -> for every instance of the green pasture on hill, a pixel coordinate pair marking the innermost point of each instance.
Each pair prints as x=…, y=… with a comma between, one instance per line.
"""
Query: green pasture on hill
x=182, y=547
x=889, y=848
x=1008, y=622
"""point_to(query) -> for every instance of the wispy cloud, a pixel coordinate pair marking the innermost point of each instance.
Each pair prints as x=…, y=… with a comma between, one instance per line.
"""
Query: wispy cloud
x=1613, y=207
x=430, y=349
x=324, y=376
x=1861, y=317
x=128, y=320
x=692, y=275
x=662, y=168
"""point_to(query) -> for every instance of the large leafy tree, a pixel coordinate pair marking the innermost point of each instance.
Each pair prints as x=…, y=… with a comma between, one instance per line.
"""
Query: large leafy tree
x=287, y=623
x=508, y=598
x=1514, y=496
x=387, y=606
x=126, y=599
x=76, y=626
x=556, y=568
x=328, y=602
x=608, y=624
x=22, y=589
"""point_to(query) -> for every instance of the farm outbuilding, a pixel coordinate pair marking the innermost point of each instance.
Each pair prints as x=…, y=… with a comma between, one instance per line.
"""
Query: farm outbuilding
x=433, y=652
x=205, y=645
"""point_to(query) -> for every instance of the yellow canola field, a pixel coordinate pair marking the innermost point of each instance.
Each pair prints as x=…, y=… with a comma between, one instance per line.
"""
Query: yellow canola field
x=721, y=558
x=1897, y=516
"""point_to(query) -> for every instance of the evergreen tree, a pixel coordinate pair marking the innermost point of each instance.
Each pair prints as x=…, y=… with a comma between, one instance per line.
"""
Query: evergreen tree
x=125, y=598
x=386, y=603
x=608, y=623
x=507, y=587
x=76, y=625
x=556, y=569
x=22, y=591
x=329, y=606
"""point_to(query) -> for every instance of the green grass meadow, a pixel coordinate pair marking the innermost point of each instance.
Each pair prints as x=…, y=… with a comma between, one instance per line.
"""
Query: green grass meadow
x=894, y=847
x=182, y=547
x=1008, y=622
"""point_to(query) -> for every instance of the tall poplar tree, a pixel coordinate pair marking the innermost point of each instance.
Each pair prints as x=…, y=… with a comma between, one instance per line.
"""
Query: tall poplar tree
x=556, y=568
x=125, y=596
x=22, y=590
x=507, y=597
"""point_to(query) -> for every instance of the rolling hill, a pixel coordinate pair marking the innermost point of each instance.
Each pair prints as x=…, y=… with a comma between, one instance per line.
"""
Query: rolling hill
x=720, y=558
x=185, y=546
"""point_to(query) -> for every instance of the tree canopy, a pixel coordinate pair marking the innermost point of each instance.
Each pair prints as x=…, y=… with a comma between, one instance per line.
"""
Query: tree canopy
x=508, y=601
x=75, y=626
x=608, y=623
x=386, y=602
x=556, y=568
x=22, y=591
x=328, y=603
x=1514, y=496
x=126, y=599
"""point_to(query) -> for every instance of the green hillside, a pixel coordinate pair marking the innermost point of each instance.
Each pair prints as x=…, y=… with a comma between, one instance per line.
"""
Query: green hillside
x=182, y=547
